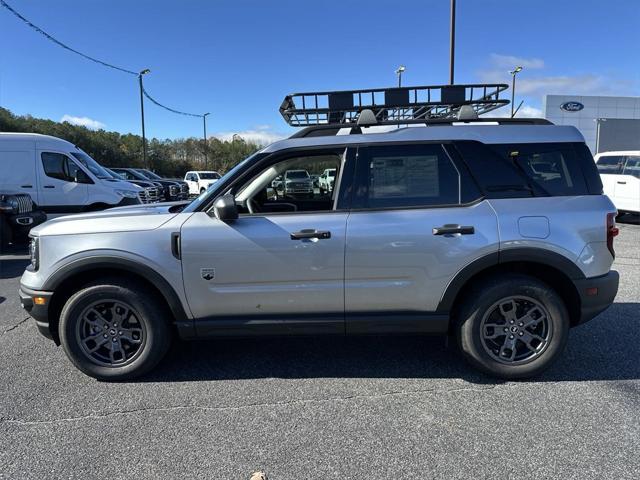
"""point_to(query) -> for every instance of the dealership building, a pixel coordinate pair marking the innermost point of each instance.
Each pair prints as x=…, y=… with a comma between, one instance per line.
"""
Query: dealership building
x=607, y=123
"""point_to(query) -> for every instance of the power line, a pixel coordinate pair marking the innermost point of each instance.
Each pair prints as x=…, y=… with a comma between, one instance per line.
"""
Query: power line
x=146, y=94
x=95, y=60
x=59, y=43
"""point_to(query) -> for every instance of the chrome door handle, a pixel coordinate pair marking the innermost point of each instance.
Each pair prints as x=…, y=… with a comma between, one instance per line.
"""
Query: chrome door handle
x=311, y=233
x=451, y=229
x=621, y=183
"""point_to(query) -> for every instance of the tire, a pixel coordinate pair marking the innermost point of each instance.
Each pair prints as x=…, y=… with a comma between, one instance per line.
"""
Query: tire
x=5, y=234
x=521, y=351
x=140, y=342
x=202, y=190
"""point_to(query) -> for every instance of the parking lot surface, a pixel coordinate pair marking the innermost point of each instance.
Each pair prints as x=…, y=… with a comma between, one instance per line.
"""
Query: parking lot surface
x=355, y=408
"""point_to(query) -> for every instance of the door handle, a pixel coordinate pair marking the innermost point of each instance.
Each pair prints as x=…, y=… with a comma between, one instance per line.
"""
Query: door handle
x=621, y=183
x=26, y=186
x=451, y=229
x=311, y=233
x=49, y=186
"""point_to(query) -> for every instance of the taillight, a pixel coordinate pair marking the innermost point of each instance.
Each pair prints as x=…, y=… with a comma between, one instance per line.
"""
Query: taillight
x=612, y=231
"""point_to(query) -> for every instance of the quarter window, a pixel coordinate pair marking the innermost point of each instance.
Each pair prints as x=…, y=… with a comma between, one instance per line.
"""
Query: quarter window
x=407, y=176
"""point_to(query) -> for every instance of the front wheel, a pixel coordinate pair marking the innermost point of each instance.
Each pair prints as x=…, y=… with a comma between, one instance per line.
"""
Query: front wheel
x=114, y=330
x=514, y=326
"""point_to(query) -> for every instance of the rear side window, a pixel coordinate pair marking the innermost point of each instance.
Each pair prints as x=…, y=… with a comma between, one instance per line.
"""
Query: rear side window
x=407, y=176
x=632, y=167
x=551, y=168
x=611, y=164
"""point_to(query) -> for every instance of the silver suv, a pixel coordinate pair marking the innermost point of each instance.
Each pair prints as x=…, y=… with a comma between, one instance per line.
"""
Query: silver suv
x=497, y=234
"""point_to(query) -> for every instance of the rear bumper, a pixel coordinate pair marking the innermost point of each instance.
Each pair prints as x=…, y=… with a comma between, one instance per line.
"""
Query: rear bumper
x=40, y=313
x=596, y=294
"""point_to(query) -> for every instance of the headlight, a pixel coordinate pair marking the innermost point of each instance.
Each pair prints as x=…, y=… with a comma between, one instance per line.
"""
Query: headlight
x=8, y=204
x=34, y=252
x=127, y=193
x=173, y=189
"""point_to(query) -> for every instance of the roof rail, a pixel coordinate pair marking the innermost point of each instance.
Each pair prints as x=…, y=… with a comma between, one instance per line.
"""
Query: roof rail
x=333, y=129
x=390, y=106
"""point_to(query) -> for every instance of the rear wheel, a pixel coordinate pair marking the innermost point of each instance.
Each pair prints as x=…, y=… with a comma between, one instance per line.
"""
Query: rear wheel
x=114, y=330
x=202, y=190
x=513, y=327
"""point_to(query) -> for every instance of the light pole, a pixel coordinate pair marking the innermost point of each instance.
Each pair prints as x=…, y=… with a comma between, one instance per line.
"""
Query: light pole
x=399, y=72
x=452, y=40
x=144, y=139
x=204, y=126
x=513, y=73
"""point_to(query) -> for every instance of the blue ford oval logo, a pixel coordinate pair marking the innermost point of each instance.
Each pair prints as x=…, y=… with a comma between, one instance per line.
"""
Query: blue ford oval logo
x=572, y=106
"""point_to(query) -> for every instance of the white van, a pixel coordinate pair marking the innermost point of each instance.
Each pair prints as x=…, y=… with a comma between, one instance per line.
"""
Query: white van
x=59, y=177
x=620, y=174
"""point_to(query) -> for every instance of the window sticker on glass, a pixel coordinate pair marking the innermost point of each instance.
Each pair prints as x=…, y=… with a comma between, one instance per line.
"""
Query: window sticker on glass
x=415, y=176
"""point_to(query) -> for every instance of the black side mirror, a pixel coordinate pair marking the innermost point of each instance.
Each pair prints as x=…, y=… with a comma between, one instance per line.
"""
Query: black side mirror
x=82, y=177
x=225, y=208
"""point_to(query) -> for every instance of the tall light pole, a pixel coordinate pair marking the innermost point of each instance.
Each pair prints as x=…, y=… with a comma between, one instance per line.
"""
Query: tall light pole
x=206, y=146
x=513, y=73
x=452, y=41
x=144, y=138
x=399, y=72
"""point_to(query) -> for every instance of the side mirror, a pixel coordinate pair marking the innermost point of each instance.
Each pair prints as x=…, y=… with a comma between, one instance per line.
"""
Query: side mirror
x=225, y=208
x=81, y=177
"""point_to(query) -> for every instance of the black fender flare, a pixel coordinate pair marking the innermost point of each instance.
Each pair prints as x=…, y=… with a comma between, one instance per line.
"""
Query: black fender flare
x=519, y=254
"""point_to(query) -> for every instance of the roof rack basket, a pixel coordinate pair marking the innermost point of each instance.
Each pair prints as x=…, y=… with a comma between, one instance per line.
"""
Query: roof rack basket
x=391, y=106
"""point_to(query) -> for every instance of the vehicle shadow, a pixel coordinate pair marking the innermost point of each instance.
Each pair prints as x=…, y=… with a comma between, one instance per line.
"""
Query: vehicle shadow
x=12, y=267
x=604, y=349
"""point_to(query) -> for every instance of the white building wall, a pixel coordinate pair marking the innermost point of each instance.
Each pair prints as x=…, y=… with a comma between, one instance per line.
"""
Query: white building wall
x=594, y=107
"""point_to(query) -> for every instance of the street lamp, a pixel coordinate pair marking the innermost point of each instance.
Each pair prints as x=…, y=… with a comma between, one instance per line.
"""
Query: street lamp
x=204, y=125
x=144, y=139
x=513, y=73
x=399, y=72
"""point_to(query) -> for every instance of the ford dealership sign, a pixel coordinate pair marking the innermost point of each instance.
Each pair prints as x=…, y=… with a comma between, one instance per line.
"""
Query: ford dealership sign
x=571, y=106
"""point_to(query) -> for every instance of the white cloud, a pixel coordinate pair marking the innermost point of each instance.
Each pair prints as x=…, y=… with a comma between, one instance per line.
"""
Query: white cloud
x=511, y=61
x=526, y=111
x=261, y=135
x=83, y=122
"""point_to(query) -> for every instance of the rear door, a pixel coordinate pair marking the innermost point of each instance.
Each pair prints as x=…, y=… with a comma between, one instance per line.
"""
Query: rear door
x=416, y=220
x=610, y=169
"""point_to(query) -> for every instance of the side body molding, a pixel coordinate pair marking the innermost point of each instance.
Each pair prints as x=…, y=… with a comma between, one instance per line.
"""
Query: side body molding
x=182, y=321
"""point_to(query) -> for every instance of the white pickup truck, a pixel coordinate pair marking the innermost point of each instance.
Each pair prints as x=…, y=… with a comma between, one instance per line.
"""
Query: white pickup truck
x=199, y=181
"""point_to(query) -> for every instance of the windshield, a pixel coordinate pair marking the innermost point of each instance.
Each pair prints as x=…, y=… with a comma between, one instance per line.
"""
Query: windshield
x=115, y=175
x=149, y=174
x=297, y=174
x=93, y=166
x=209, y=175
x=215, y=188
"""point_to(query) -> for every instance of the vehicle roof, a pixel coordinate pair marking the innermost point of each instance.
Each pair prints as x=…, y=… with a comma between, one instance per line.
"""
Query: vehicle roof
x=492, y=134
x=39, y=138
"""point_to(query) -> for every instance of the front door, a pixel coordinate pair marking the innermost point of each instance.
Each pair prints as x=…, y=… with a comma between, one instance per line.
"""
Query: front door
x=278, y=268
x=415, y=223
x=628, y=185
x=60, y=190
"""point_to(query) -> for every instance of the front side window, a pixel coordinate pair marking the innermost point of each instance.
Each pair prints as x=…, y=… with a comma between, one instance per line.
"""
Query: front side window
x=610, y=164
x=632, y=167
x=407, y=176
x=288, y=186
x=58, y=165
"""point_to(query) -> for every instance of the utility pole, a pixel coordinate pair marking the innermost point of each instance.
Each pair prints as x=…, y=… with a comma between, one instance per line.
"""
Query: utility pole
x=144, y=138
x=513, y=73
x=452, y=41
x=206, y=145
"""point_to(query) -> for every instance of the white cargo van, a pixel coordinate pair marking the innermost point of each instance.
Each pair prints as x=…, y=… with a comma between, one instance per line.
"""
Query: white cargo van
x=620, y=174
x=59, y=177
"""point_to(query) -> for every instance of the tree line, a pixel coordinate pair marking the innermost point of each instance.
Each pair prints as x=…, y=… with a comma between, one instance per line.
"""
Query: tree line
x=170, y=158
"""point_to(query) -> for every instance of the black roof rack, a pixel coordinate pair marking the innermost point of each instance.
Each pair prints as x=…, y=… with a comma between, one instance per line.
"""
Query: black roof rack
x=390, y=106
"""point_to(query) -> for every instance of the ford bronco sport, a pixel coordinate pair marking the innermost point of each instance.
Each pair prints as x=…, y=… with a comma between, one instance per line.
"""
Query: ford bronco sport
x=494, y=231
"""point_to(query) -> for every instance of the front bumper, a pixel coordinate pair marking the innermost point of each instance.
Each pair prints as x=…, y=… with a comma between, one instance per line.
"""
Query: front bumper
x=596, y=294
x=38, y=311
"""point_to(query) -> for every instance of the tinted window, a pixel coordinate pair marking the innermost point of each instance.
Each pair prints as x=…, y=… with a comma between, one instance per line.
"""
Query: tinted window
x=632, y=167
x=610, y=164
x=551, y=169
x=209, y=175
x=57, y=165
x=407, y=176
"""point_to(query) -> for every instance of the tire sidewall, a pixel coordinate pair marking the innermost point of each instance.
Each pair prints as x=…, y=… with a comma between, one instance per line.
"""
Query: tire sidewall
x=155, y=334
x=470, y=329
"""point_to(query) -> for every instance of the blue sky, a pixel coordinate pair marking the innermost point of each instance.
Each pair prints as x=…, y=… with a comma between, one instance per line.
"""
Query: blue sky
x=237, y=59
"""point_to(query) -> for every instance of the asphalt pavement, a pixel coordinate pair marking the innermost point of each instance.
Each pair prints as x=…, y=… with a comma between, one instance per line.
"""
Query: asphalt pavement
x=358, y=408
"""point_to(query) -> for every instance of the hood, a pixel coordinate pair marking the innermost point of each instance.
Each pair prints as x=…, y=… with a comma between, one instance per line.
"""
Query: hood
x=121, y=219
x=120, y=184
